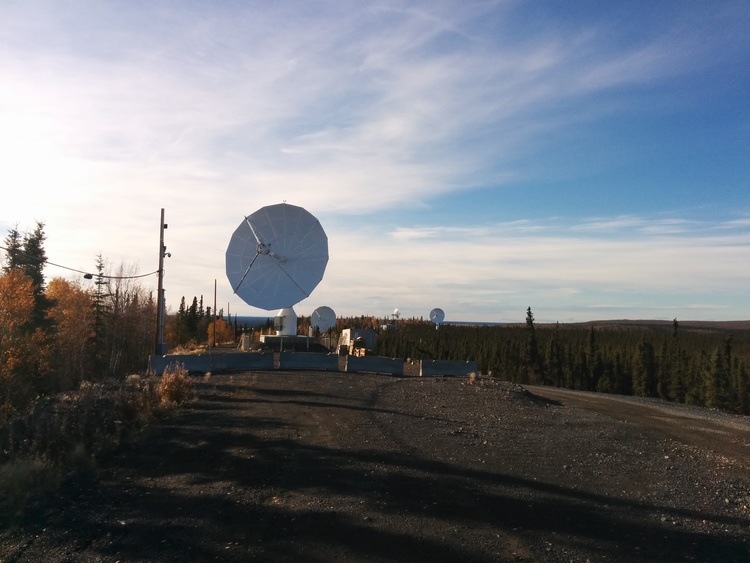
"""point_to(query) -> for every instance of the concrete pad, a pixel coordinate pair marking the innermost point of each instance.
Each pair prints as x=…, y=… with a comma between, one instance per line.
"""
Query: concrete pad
x=428, y=368
x=375, y=364
x=309, y=360
x=214, y=363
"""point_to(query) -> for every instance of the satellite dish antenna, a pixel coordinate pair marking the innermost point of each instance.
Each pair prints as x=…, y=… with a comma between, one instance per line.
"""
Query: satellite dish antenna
x=323, y=318
x=277, y=256
x=437, y=315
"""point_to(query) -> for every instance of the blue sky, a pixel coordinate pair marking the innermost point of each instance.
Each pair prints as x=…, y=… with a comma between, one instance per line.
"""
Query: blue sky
x=590, y=160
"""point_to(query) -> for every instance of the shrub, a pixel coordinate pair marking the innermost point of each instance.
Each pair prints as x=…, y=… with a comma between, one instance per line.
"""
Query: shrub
x=175, y=386
x=71, y=429
x=133, y=379
x=21, y=480
x=137, y=402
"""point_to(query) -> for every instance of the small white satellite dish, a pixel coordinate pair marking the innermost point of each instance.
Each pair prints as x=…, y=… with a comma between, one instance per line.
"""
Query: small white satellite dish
x=323, y=318
x=277, y=256
x=437, y=315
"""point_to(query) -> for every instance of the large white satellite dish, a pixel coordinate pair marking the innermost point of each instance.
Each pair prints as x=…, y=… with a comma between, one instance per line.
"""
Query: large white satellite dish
x=323, y=318
x=277, y=256
x=437, y=315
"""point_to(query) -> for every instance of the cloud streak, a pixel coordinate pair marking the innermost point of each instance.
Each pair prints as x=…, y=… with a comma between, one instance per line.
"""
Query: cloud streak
x=393, y=122
x=502, y=269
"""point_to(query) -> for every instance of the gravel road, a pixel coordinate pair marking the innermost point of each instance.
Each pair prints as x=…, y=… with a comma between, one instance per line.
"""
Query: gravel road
x=294, y=466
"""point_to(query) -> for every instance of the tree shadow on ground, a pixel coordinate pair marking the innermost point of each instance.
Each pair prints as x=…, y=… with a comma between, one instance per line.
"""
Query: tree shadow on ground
x=235, y=477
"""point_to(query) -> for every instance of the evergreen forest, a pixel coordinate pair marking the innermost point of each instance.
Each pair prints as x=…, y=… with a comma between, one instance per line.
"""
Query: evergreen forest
x=692, y=365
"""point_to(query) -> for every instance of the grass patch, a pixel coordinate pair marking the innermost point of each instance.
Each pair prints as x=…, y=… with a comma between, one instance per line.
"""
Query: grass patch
x=69, y=430
x=21, y=480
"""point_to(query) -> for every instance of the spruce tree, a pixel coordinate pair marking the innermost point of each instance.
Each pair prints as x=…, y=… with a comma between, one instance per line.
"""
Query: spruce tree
x=716, y=379
x=27, y=255
x=554, y=359
x=595, y=362
x=535, y=371
x=644, y=374
x=677, y=367
x=34, y=257
x=192, y=319
x=13, y=250
x=101, y=317
x=181, y=324
x=34, y=248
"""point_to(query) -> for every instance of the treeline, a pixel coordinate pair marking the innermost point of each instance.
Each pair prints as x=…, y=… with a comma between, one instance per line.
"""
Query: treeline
x=189, y=324
x=54, y=336
x=194, y=325
x=686, y=365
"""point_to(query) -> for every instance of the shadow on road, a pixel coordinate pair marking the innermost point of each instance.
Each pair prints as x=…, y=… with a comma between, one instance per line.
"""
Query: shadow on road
x=259, y=470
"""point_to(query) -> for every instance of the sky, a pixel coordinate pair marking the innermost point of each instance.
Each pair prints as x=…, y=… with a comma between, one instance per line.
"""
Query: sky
x=590, y=160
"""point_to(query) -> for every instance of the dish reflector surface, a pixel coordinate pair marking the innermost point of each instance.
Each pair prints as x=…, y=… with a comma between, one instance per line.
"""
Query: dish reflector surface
x=437, y=315
x=277, y=256
x=323, y=318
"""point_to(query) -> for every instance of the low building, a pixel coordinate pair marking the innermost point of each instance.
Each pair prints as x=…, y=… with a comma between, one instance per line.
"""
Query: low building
x=358, y=338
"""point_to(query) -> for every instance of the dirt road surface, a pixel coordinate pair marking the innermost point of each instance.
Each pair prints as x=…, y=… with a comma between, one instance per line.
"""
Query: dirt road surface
x=318, y=467
x=727, y=436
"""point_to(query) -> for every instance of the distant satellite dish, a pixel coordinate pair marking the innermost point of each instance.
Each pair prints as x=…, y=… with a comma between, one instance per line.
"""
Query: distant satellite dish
x=276, y=257
x=437, y=315
x=323, y=318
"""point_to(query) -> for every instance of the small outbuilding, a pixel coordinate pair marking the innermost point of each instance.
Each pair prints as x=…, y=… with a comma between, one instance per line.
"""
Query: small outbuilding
x=362, y=338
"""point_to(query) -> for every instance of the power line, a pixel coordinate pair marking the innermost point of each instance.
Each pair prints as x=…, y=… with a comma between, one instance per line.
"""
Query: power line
x=87, y=275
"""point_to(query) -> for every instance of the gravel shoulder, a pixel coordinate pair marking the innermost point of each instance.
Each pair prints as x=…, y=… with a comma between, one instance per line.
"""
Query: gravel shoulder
x=297, y=466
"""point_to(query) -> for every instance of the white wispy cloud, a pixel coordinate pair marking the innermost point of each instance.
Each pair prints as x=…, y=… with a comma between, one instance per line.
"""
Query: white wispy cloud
x=108, y=113
x=491, y=270
x=381, y=111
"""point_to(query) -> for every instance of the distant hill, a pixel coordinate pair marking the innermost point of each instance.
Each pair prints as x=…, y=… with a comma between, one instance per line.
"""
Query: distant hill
x=252, y=322
x=645, y=323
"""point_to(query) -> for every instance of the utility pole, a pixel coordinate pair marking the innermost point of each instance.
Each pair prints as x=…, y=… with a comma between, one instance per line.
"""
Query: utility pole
x=215, y=317
x=160, y=348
